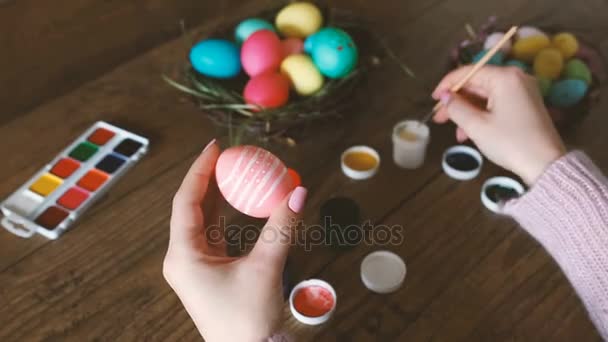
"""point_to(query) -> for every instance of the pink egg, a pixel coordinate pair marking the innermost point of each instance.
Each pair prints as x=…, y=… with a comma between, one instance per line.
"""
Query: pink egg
x=268, y=90
x=593, y=60
x=253, y=180
x=261, y=52
x=292, y=46
x=493, y=39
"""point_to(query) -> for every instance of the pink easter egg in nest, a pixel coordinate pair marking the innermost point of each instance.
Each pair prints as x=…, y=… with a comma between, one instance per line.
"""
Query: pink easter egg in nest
x=253, y=180
x=261, y=52
x=593, y=60
x=267, y=90
x=292, y=46
x=493, y=39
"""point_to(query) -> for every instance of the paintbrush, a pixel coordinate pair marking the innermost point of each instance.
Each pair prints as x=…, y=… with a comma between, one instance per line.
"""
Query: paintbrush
x=456, y=87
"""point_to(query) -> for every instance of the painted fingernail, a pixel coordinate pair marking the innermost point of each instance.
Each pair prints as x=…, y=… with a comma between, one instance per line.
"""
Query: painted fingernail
x=209, y=144
x=445, y=97
x=297, y=199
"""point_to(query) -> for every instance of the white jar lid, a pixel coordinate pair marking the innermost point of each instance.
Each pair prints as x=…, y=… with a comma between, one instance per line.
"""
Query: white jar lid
x=359, y=174
x=383, y=271
x=455, y=173
x=318, y=290
x=501, y=181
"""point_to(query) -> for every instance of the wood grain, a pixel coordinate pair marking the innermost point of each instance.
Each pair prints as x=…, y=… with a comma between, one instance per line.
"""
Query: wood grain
x=472, y=276
x=49, y=48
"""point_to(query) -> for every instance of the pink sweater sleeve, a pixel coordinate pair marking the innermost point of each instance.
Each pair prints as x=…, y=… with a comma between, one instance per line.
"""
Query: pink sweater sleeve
x=567, y=212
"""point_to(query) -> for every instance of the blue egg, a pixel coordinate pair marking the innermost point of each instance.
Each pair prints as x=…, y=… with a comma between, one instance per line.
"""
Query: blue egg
x=217, y=58
x=517, y=63
x=497, y=59
x=333, y=51
x=567, y=93
x=249, y=26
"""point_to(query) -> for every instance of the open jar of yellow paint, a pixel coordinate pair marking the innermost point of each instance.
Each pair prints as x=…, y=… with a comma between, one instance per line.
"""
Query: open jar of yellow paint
x=360, y=162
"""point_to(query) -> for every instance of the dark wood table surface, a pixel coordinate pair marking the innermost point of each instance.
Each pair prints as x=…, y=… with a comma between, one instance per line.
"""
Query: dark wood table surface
x=472, y=275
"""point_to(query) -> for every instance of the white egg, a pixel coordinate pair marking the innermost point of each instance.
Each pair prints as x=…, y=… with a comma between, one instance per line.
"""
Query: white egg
x=529, y=31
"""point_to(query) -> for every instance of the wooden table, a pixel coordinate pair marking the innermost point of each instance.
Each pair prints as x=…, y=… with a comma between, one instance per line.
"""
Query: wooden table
x=471, y=275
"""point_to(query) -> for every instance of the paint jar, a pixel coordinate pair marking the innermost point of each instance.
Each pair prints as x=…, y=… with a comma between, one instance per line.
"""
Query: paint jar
x=360, y=162
x=312, y=301
x=462, y=162
x=410, y=140
x=498, y=190
x=383, y=271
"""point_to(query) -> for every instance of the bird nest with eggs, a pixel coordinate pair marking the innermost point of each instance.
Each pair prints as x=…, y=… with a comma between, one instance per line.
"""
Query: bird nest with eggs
x=566, y=66
x=269, y=76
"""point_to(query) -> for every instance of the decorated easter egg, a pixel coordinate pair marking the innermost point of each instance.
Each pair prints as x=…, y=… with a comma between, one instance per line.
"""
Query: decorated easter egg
x=493, y=39
x=544, y=85
x=292, y=46
x=261, y=52
x=577, y=69
x=295, y=177
x=567, y=93
x=548, y=63
x=303, y=74
x=566, y=43
x=528, y=31
x=333, y=51
x=525, y=49
x=299, y=19
x=253, y=180
x=497, y=59
x=217, y=58
x=267, y=90
x=514, y=62
x=249, y=26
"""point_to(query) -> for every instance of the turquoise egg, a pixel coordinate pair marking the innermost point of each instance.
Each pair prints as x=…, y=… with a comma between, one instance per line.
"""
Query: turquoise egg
x=517, y=63
x=333, y=51
x=497, y=59
x=217, y=58
x=249, y=26
x=567, y=93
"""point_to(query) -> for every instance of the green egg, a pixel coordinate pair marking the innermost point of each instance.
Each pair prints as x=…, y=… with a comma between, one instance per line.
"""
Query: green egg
x=544, y=84
x=577, y=69
x=517, y=63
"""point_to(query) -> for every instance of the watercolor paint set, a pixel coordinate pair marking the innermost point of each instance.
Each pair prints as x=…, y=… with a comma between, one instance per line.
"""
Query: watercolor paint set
x=57, y=195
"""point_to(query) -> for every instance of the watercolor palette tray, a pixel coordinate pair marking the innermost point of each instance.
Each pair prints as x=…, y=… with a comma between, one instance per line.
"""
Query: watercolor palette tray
x=55, y=197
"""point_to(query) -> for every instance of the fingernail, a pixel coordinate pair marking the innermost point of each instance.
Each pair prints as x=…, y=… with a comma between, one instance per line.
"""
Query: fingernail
x=209, y=144
x=445, y=97
x=297, y=199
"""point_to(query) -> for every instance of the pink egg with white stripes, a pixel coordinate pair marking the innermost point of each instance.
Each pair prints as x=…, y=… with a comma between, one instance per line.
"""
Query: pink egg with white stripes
x=253, y=180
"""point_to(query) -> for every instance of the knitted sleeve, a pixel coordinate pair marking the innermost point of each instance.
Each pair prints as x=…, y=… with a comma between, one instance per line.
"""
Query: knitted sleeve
x=567, y=212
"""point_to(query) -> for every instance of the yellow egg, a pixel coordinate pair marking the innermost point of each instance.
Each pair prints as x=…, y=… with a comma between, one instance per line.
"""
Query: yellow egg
x=303, y=74
x=548, y=63
x=299, y=20
x=566, y=43
x=525, y=49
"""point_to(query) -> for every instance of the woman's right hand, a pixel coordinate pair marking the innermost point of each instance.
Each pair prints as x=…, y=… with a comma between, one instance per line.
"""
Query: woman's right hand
x=514, y=130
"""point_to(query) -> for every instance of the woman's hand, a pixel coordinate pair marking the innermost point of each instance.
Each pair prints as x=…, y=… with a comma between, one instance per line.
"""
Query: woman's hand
x=229, y=299
x=514, y=130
